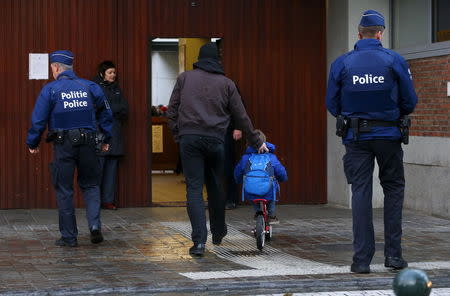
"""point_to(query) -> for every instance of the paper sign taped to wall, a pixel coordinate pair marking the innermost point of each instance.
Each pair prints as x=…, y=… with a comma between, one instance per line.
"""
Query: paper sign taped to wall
x=38, y=66
x=157, y=138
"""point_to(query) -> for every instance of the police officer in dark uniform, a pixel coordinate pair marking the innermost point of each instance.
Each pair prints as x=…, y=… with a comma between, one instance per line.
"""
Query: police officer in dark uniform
x=69, y=106
x=370, y=91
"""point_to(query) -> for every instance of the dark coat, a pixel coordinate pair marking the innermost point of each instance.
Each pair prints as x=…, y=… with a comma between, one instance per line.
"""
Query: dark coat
x=119, y=108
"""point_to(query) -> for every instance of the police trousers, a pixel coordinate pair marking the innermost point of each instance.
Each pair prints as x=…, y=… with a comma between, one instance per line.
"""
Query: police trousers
x=66, y=158
x=203, y=163
x=358, y=167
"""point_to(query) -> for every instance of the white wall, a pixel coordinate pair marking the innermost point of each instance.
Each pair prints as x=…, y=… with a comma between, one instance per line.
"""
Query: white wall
x=355, y=10
x=337, y=44
x=164, y=76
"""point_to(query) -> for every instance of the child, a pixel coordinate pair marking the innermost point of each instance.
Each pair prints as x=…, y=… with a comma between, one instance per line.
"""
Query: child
x=279, y=173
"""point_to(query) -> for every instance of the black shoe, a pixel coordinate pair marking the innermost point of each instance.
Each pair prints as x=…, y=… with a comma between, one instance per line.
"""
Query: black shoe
x=62, y=243
x=395, y=263
x=197, y=250
x=96, y=236
x=217, y=239
x=360, y=268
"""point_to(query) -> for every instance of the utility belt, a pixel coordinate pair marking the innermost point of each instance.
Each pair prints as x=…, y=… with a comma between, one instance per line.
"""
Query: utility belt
x=360, y=125
x=77, y=137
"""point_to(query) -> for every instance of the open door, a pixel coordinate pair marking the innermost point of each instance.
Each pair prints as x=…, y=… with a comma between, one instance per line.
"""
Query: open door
x=169, y=58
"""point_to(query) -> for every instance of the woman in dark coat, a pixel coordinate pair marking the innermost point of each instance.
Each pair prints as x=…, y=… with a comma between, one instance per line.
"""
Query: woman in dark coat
x=106, y=78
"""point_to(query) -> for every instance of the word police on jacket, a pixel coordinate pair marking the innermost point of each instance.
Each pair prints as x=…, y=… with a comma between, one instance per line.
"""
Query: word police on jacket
x=74, y=95
x=367, y=79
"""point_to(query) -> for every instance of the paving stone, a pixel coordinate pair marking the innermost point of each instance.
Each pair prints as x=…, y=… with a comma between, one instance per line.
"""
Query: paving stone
x=144, y=254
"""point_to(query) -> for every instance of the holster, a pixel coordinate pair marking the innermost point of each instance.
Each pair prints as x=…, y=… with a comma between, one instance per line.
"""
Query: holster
x=404, y=123
x=55, y=136
x=341, y=126
x=76, y=137
x=80, y=136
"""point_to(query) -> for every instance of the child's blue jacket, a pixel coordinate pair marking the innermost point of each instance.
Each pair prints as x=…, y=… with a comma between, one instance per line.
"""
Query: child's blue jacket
x=279, y=170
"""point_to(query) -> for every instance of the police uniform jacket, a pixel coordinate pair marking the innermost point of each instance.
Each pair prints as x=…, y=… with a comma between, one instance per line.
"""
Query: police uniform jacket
x=371, y=82
x=69, y=103
x=119, y=108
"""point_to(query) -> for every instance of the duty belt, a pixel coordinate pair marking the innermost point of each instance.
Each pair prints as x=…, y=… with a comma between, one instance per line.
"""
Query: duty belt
x=360, y=125
x=371, y=123
x=77, y=136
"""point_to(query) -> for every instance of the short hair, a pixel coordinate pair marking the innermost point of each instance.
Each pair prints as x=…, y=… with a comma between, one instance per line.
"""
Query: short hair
x=370, y=32
x=261, y=135
x=105, y=65
x=64, y=67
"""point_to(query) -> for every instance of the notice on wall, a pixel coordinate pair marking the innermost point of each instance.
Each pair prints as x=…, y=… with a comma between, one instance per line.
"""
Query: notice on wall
x=38, y=66
x=157, y=138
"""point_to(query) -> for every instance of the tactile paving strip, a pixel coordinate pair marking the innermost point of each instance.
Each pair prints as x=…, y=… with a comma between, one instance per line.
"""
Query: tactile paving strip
x=241, y=248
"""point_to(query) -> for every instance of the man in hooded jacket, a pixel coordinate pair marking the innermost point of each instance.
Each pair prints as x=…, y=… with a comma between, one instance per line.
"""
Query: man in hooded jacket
x=200, y=108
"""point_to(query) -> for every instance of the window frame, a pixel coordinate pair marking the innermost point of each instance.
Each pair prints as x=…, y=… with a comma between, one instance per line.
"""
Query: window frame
x=430, y=49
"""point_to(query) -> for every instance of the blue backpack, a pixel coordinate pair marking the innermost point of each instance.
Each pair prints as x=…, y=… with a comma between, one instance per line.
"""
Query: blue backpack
x=259, y=178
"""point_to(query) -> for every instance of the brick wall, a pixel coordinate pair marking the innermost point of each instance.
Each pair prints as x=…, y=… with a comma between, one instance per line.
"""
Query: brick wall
x=431, y=117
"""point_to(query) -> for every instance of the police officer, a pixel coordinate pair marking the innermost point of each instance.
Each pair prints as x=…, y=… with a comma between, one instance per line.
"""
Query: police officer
x=69, y=106
x=370, y=88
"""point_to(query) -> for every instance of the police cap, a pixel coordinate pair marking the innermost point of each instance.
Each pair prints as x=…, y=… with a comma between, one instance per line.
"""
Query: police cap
x=372, y=18
x=62, y=56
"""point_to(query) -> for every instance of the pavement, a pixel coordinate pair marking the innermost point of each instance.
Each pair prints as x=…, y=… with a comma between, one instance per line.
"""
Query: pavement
x=145, y=252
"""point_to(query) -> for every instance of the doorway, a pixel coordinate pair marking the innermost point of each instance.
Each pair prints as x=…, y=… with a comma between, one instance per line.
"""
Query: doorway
x=169, y=58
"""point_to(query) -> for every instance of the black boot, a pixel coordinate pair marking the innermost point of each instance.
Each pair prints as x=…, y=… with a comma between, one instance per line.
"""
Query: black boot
x=62, y=243
x=360, y=268
x=96, y=236
x=395, y=263
x=197, y=250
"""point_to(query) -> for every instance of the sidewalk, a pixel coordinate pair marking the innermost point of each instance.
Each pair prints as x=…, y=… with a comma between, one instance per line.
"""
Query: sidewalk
x=146, y=252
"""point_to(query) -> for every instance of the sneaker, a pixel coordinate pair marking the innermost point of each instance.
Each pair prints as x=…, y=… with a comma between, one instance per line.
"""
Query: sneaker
x=396, y=263
x=197, y=250
x=109, y=206
x=360, y=268
x=273, y=220
x=96, y=236
x=62, y=243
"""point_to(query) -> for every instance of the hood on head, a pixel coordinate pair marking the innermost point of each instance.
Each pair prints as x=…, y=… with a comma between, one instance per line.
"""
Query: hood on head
x=208, y=59
x=209, y=51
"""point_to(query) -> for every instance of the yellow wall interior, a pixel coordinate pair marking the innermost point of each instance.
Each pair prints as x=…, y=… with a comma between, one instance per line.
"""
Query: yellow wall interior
x=188, y=49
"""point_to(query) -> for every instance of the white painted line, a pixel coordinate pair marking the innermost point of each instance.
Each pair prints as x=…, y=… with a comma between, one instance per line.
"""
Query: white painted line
x=240, y=248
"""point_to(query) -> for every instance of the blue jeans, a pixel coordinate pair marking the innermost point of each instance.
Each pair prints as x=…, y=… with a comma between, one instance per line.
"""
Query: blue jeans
x=203, y=163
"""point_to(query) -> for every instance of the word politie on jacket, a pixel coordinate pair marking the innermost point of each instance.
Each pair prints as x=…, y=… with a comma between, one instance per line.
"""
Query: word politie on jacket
x=74, y=95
